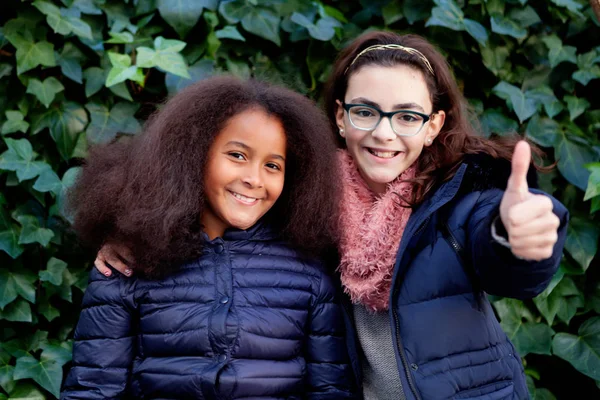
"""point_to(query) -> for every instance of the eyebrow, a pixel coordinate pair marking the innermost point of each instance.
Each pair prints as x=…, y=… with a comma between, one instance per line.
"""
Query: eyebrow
x=248, y=148
x=400, y=106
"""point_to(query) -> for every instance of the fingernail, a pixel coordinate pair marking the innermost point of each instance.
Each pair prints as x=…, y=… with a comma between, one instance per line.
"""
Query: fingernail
x=127, y=272
x=107, y=273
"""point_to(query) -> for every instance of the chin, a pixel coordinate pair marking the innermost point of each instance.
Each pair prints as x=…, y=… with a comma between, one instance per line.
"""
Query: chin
x=382, y=178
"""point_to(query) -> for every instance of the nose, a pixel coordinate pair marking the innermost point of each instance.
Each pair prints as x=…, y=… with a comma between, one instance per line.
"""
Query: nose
x=383, y=131
x=252, y=177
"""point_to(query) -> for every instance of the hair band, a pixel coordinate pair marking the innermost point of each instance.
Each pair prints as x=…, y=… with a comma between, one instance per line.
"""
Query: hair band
x=409, y=50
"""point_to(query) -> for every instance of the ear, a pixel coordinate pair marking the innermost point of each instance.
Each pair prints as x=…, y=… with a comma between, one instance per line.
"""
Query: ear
x=339, y=118
x=435, y=126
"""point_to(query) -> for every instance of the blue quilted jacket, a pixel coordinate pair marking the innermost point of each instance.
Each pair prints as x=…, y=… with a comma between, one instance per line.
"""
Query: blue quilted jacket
x=250, y=319
x=448, y=342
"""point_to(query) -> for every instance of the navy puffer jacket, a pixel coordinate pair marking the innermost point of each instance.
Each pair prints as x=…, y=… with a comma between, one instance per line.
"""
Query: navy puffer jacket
x=448, y=342
x=249, y=319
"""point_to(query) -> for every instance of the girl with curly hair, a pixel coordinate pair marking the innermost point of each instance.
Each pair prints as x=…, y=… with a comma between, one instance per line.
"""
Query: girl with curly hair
x=223, y=201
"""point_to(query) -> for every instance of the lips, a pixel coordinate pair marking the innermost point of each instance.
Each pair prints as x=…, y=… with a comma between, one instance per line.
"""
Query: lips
x=244, y=199
x=381, y=153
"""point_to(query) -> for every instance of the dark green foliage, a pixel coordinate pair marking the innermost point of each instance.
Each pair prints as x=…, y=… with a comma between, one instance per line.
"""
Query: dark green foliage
x=77, y=72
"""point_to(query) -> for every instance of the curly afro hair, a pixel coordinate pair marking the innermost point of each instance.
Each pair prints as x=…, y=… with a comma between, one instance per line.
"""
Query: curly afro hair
x=147, y=192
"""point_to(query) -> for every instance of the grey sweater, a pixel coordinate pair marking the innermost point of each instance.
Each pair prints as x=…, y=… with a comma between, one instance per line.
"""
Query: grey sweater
x=380, y=370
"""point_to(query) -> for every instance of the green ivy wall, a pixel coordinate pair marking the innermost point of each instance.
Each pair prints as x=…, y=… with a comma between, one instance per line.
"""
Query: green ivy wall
x=80, y=72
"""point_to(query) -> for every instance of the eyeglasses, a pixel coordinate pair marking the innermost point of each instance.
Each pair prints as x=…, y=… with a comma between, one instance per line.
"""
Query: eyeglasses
x=403, y=122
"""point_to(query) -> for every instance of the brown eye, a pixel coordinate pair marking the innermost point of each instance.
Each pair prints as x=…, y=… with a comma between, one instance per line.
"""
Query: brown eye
x=236, y=155
x=273, y=166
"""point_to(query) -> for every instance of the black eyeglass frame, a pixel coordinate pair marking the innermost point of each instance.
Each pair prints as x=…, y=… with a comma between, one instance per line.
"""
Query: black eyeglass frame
x=388, y=115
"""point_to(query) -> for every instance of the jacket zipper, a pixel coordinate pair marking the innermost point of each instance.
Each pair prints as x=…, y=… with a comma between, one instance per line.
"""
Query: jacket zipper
x=471, y=274
x=454, y=243
x=407, y=372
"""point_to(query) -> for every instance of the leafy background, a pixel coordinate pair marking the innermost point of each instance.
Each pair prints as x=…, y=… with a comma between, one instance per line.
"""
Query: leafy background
x=79, y=72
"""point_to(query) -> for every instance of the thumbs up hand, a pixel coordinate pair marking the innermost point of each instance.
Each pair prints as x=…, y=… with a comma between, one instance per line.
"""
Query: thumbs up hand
x=531, y=225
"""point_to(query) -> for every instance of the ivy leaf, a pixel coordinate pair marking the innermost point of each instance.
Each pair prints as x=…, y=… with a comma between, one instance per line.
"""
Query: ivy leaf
x=26, y=391
x=122, y=70
x=183, y=15
x=86, y=7
x=94, y=80
x=570, y=5
x=61, y=22
x=16, y=283
x=524, y=17
x=564, y=300
x=200, y=70
x=581, y=351
x=323, y=30
x=593, y=186
x=45, y=91
x=15, y=123
x=263, y=23
x=68, y=180
x=59, y=352
x=46, y=373
x=528, y=337
x=559, y=53
x=165, y=56
x=234, y=10
x=32, y=232
x=8, y=293
x=6, y=372
x=415, y=10
x=106, y=124
x=30, y=55
x=576, y=106
x=543, y=131
x=538, y=393
x=506, y=26
x=48, y=181
x=392, y=12
x=9, y=237
x=17, y=311
x=120, y=38
x=65, y=123
x=546, y=96
x=571, y=158
x=446, y=14
x=54, y=271
x=5, y=70
x=494, y=121
x=20, y=158
x=582, y=241
x=70, y=60
x=21, y=346
x=588, y=70
x=230, y=32
x=47, y=310
x=476, y=30
x=523, y=106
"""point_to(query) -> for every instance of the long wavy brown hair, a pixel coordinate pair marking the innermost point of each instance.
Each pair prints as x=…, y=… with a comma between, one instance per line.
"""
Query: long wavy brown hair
x=147, y=192
x=457, y=138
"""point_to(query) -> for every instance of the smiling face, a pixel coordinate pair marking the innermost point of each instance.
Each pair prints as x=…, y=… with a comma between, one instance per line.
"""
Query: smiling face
x=244, y=172
x=380, y=154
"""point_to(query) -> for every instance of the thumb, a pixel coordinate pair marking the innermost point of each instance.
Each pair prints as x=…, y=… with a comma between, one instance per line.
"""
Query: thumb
x=521, y=160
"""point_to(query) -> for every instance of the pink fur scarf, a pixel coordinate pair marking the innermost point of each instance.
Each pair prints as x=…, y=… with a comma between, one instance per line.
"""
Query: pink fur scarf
x=371, y=228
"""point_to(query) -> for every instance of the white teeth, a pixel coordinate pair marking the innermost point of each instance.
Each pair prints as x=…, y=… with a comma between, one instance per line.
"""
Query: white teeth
x=383, y=154
x=244, y=198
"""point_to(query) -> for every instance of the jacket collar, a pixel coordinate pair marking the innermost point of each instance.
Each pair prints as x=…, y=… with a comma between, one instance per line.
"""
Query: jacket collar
x=259, y=232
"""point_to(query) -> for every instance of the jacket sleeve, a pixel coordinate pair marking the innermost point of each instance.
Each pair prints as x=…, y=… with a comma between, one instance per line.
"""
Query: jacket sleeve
x=499, y=271
x=104, y=342
x=329, y=372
